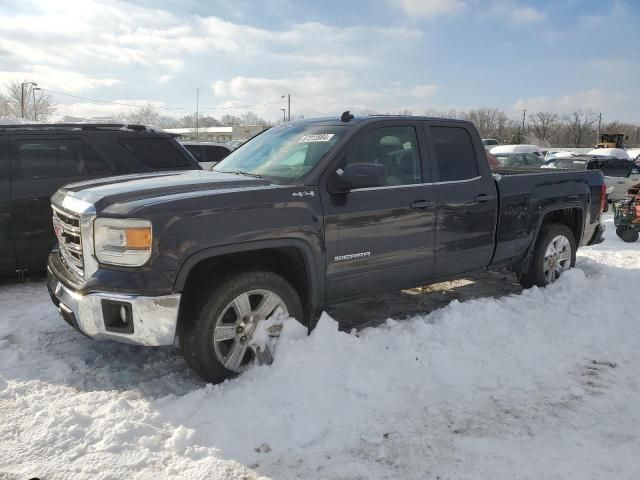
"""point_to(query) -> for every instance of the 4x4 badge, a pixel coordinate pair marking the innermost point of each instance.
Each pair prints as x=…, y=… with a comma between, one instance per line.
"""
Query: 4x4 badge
x=310, y=193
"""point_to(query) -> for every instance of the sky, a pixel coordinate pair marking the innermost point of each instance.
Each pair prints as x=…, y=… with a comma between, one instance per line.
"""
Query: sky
x=383, y=55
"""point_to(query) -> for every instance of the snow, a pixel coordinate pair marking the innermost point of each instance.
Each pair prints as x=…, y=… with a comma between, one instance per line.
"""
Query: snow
x=14, y=121
x=542, y=384
x=610, y=152
x=516, y=149
x=633, y=153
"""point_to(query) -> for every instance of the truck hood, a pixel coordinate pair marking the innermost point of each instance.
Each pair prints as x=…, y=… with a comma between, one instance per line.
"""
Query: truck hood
x=108, y=191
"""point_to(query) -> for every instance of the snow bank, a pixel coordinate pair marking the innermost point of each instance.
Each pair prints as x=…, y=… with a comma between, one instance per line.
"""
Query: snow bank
x=14, y=121
x=539, y=385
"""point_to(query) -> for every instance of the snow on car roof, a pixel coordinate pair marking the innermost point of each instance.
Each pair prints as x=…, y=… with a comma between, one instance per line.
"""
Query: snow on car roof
x=610, y=152
x=515, y=149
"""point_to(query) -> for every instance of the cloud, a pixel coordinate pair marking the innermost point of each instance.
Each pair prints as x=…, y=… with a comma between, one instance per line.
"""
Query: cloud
x=429, y=8
x=597, y=100
x=55, y=79
x=113, y=111
x=515, y=13
x=319, y=93
x=424, y=91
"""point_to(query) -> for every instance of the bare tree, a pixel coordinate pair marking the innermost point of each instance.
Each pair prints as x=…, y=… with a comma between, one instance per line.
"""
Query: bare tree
x=143, y=115
x=228, y=120
x=25, y=99
x=250, y=118
x=488, y=121
x=543, y=123
x=581, y=126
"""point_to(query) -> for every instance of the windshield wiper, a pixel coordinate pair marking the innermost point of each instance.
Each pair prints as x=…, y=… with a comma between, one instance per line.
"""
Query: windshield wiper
x=240, y=172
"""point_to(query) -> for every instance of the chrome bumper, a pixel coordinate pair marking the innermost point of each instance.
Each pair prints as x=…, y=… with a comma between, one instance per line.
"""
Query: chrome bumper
x=154, y=318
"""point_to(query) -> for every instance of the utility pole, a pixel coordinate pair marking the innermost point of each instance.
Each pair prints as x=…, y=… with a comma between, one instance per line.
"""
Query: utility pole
x=599, y=127
x=33, y=84
x=35, y=112
x=284, y=115
x=289, y=107
x=524, y=116
x=197, y=112
x=637, y=135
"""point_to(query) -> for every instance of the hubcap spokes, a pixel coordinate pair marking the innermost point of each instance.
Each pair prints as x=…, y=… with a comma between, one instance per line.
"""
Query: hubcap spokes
x=248, y=329
x=557, y=258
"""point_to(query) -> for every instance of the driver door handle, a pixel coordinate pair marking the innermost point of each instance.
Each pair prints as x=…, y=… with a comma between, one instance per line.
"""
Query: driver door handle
x=421, y=204
x=482, y=198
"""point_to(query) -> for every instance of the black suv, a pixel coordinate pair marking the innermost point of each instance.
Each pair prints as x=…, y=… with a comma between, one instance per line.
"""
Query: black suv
x=37, y=159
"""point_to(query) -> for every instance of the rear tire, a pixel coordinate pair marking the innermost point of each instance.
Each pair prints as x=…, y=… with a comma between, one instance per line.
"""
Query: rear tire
x=226, y=335
x=553, y=253
x=627, y=234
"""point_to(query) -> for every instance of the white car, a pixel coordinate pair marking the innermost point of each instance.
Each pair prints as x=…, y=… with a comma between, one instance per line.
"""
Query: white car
x=517, y=149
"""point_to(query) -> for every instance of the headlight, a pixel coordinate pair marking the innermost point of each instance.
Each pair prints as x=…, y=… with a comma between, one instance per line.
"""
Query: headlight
x=122, y=241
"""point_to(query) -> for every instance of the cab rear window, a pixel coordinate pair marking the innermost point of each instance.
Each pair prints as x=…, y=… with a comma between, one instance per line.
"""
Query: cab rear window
x=156, y=153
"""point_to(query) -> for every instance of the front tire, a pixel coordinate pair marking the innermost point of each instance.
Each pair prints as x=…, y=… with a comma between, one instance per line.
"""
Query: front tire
x=238, y=324
x=553, y=253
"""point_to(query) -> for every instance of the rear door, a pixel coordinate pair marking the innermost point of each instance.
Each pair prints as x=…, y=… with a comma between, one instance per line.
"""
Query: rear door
x=40, y=165
x=7, y=259
x=467, y=200
x=381, y=238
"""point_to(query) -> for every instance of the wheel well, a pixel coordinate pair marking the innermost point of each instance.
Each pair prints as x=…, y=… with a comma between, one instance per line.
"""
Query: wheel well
x=571, y=217
x=289, y=262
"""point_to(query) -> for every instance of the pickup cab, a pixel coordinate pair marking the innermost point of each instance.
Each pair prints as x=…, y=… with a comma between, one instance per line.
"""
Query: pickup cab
x=305, y=214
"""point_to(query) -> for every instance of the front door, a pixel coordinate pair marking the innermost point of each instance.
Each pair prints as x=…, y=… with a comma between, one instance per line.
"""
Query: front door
x=467, y=201
x=41, y=165
x=381, y=238
x=7, y=259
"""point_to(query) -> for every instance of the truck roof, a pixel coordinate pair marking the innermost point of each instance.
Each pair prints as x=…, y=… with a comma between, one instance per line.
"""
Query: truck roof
x=363, y=119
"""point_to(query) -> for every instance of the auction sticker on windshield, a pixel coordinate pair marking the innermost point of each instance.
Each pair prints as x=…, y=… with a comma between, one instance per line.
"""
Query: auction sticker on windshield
x=321, y=137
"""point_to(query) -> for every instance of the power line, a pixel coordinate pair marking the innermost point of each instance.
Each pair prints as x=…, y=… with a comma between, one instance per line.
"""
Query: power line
x=109, y=102
x=309, y=108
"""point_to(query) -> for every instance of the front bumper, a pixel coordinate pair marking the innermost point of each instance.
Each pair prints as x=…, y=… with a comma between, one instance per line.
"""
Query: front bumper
x=152, y=319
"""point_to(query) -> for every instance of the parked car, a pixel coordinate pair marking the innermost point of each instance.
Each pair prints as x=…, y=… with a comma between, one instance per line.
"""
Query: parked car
x=619, y=174
x=305, y=214
x=36, y=160
x=610, y=152
x=490, y=143
x=517, y=149
x=524, y=160
x=552, y=154
x=207, y=153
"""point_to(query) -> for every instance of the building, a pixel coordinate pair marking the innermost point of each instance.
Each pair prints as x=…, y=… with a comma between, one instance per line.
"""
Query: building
x=218, y=134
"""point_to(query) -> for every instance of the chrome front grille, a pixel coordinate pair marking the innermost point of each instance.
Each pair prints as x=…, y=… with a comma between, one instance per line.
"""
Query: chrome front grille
x=67, y=228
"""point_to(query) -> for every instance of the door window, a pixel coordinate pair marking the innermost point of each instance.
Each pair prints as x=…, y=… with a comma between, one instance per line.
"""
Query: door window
x=156, y=153
x=215, y=153
x=396, y=148
x=57, y=158
x=455, y=155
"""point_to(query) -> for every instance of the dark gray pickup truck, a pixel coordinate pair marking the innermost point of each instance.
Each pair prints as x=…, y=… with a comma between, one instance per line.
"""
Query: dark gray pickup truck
x=305, y=214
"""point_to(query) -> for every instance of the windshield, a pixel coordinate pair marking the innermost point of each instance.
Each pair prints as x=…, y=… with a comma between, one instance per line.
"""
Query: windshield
x=285, y=153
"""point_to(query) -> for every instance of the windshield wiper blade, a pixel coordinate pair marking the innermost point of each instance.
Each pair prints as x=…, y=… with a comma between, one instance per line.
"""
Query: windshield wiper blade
x=240, y=172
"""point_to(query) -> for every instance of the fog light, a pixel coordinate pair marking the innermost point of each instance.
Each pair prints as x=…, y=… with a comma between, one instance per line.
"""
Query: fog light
x=123, y=315
x=117, y=316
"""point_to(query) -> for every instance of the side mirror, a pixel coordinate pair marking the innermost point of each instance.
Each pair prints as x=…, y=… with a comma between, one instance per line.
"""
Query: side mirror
x=358, y=175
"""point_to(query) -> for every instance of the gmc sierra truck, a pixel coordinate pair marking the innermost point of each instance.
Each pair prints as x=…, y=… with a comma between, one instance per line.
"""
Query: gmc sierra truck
x=305, y=214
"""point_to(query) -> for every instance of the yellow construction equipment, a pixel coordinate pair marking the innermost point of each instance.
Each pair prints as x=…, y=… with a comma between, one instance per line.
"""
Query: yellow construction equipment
x=612, y=140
